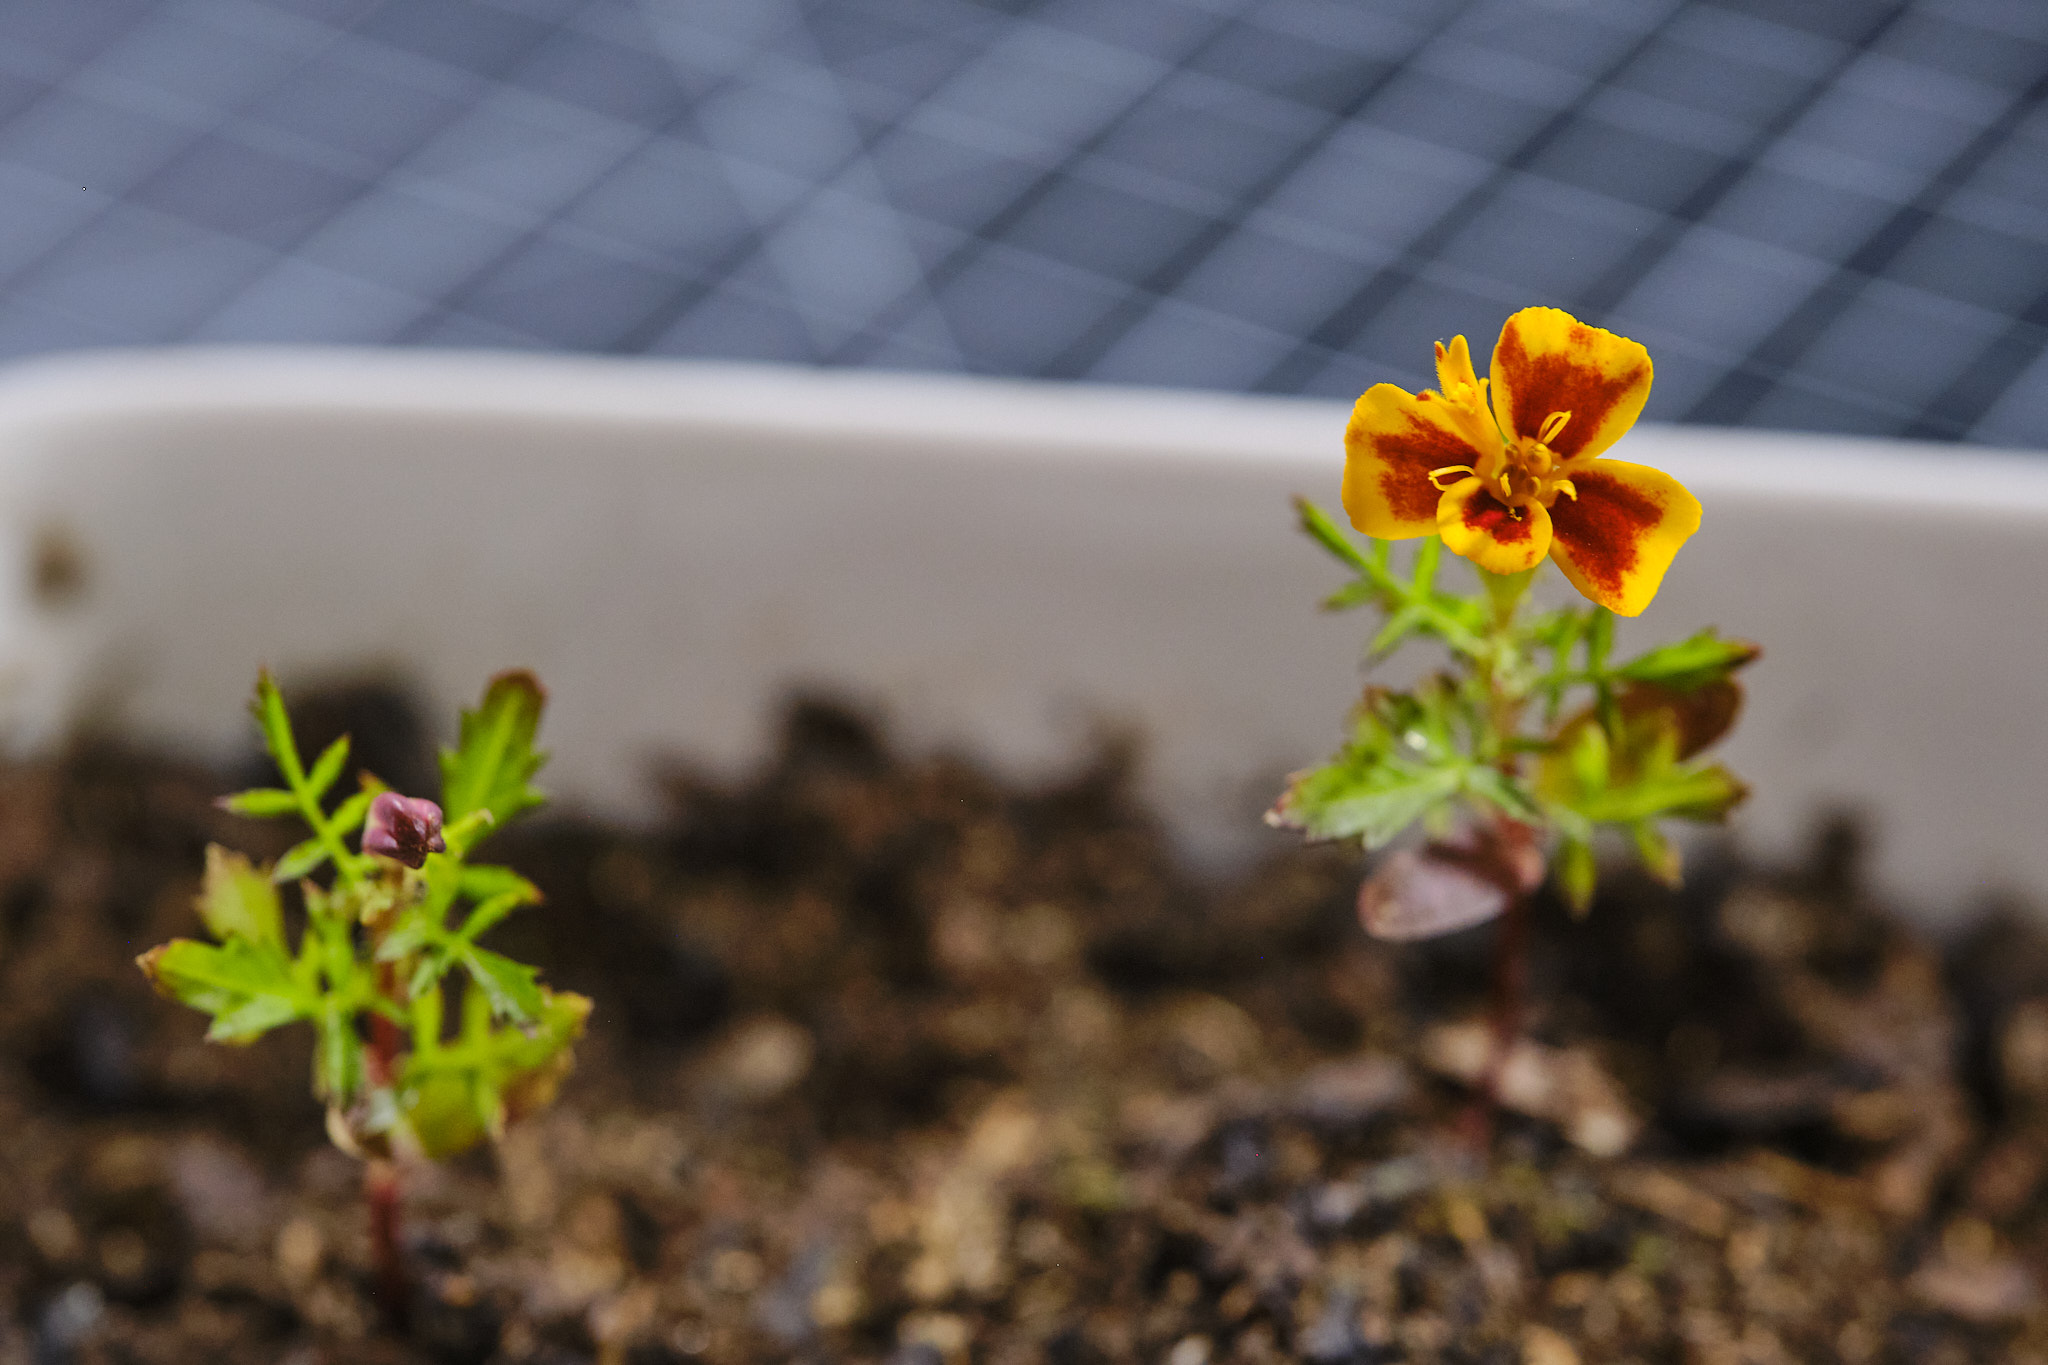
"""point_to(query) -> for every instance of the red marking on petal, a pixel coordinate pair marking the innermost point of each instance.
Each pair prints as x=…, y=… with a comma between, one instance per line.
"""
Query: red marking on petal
x=1570, y=381
x=1603, y=526
x=1488, y=515
x=1408, y=457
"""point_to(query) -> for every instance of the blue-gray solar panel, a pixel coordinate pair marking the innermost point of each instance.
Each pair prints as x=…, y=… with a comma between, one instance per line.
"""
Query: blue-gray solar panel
x=1827, y=214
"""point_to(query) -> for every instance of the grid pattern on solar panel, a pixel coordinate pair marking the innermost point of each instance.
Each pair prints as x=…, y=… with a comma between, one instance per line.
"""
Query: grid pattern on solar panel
x=1824, y=214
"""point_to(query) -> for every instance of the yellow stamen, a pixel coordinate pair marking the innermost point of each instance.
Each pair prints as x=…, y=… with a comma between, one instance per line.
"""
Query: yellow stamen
x=1566, y=486
x=1463, y=471
x=1552, y=425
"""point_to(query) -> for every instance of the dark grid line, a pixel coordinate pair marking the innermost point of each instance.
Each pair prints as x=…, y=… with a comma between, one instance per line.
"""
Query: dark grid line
x=455, y=300
x=1729, y=401
x=999, y=223
x=1600, y=298
x=1091, y=346
x=1336, y=331
x=823, y=231
x=16, y=276
x=427, y=138
x=644, y=335
x=1985, y=377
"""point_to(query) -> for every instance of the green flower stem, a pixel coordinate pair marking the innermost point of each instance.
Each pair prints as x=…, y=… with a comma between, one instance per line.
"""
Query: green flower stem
x=1503, y=668
x=1509, y=679
x=1506, y=592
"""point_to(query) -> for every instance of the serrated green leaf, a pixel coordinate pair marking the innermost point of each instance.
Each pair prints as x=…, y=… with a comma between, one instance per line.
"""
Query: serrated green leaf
x=413, y=932
x=1635, y=769
x=461, y=835
x=348, y=817
x=214, y=977
x=1503, y=792
x=486, y=916
x=261, y=803
x=1372, y=801
x=251, y=1020
x=1400, y=765
x=327, y=767
x=513, y=988
x=490, y=766
x=1690, y=664
x=268, y=708
x=237, y=900
x=250, y=986
x=1701, y=792
x=483, y=881
x=300, y=859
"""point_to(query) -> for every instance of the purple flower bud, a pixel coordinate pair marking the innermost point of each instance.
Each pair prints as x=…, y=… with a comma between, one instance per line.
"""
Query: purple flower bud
x=407, y=828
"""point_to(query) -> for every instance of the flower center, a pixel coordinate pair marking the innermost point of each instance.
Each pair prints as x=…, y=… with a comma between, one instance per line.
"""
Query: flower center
x=1530, y=470
x=1524, y=469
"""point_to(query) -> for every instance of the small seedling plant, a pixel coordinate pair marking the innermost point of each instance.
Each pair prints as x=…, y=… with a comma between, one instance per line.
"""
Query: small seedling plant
x=426, y=1042
x=1504, y=768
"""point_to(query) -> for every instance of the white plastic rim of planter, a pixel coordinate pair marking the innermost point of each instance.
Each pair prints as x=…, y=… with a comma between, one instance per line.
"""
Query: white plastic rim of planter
x=1001, y=568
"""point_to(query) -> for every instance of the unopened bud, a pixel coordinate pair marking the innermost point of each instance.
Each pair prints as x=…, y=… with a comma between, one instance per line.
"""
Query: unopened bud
x=407, y=828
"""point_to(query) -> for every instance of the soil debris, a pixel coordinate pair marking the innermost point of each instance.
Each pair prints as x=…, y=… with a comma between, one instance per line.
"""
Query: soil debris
x=894, y=1062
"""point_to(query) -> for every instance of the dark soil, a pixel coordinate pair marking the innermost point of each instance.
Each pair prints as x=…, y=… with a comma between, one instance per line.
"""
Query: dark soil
x=894, y=1062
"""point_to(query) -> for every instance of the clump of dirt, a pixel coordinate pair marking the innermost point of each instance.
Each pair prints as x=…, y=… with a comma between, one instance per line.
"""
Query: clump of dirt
x=894, y=1062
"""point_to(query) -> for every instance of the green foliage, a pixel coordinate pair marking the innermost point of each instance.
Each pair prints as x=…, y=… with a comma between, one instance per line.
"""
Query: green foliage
x=247, y=990
x=1533, y=722
x=488, y=769
x=1411, y=756
x=1691, y=664
x=385, y=949
x=237, y=901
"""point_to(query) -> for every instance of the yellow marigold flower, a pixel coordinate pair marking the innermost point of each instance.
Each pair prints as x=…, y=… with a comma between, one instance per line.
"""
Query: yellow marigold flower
x=1508, y=484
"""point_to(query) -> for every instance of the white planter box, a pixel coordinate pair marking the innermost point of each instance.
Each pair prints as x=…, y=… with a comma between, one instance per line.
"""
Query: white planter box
x=1002, y=566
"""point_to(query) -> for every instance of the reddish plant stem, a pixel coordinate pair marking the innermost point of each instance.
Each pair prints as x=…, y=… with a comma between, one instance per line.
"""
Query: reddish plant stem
x=394, y=1285
x=382, y=1193
x=1510, y=983
x=1509, y=986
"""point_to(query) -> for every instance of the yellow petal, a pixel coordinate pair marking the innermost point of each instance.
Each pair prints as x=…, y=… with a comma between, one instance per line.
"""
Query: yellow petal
x=1616, y=539
x=1454, y=373
x=1547, y=362
x=1497, y=538
x=1395, y=440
